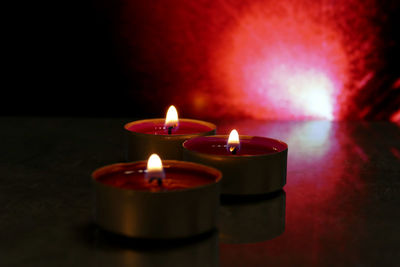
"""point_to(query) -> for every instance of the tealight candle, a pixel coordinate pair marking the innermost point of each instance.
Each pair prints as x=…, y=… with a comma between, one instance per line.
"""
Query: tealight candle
x=154, y=199
x=163, y=136
x=249, y=164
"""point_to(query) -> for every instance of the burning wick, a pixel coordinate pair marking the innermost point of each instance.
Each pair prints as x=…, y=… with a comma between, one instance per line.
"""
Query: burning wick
x=171, y=120
x=155, y=170
x=233, y=150
x=233, y=145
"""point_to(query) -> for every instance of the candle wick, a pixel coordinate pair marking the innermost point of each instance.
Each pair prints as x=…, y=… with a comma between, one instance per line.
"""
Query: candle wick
x=159, y=181
x=233, y=150
x=170, y=129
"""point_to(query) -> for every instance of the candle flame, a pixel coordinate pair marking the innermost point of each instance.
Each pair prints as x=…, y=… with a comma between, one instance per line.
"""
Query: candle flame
x=154, y=167
x=233, y=141
x=171, y=119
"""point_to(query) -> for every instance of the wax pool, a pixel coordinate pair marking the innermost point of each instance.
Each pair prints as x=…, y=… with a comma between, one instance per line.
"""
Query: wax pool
x=217, y=145
x=157, y=127
x=175, y=179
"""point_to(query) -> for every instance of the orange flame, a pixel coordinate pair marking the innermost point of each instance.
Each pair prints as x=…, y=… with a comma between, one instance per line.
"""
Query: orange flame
x=233, y=141
x=171, y=119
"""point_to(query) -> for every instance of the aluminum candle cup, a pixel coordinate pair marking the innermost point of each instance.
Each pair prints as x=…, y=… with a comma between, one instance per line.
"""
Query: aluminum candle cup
x=151, y=136
x=186, y=204
x=257, y=167
x=253, y=220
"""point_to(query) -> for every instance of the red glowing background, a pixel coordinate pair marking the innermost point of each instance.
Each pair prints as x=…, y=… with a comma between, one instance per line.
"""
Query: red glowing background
x=295, y=59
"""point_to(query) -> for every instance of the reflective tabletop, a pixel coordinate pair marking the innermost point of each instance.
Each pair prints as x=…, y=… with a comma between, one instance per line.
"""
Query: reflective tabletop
x=340, y=207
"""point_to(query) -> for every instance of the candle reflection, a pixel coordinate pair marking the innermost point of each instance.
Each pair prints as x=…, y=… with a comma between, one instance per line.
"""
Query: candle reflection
x=115, y=250
x=252, y=219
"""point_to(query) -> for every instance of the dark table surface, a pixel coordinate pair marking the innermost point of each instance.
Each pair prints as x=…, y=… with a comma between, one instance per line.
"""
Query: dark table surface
x=341, y=205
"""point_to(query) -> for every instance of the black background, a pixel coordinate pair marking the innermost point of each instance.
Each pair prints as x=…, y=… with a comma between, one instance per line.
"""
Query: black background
x=62, y=60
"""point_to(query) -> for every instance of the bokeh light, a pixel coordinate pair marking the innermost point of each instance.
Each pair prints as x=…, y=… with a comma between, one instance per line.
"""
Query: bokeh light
x=276, y=60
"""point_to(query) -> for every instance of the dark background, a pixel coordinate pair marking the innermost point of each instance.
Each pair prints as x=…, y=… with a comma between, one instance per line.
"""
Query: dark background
x=72, y=59
x=62, y=59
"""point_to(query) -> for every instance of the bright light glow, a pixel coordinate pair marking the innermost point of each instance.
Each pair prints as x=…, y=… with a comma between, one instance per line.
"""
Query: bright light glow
x=395, y=117
x=224, y=66
x=154, y=167
x=233, y=141
x=171, y=119
x=313, y=137
x=280, y=62
x=308, y=92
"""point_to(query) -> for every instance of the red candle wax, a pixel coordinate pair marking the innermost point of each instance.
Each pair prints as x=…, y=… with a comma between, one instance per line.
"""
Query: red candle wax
x=249, y=145
x=157, y=127
x=178, y=176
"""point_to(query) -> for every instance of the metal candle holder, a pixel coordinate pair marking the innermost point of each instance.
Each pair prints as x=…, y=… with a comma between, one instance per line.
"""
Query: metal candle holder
x=245, y=175
x=161, y=214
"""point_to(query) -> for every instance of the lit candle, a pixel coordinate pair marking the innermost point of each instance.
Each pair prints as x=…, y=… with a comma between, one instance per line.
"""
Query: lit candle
x=157, y=199
x=163, y=136
x=250, y=164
